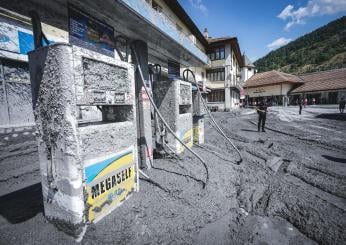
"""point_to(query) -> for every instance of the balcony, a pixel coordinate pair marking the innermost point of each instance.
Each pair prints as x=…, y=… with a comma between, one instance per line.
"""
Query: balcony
x=166, y=26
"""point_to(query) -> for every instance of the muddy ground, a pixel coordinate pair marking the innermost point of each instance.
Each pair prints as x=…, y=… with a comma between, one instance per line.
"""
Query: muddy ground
x=289, y=189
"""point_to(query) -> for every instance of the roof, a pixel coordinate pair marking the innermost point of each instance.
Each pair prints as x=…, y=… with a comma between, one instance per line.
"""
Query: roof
x=322, y=81
x=185, y=18
x=247, y=62
x=234, y=44
x=271, y=78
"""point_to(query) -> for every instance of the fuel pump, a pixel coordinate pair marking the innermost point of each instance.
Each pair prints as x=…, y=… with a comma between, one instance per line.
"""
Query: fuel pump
x=88, y=167
x=173, y=98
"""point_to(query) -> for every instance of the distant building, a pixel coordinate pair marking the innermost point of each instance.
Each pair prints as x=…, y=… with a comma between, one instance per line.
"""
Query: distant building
x=326, y=87
x=274, y=86
x=224, y=72
x=247, y=71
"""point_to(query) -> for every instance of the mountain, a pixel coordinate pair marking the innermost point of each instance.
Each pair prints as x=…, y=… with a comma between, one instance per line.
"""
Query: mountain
x=322, y=49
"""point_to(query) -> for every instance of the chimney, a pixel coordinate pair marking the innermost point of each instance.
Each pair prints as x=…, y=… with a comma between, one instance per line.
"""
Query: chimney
x=205, y=33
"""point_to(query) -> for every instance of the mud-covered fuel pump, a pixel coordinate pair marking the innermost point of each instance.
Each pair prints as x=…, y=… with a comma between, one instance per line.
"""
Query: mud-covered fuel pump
x=217, y=127
x=88, y=167
x=174, y=101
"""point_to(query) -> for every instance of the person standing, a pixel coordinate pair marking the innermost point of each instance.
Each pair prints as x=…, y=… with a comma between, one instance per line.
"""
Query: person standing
x=301, y=102
x=262, y=114
x=313, y=101
x=342, y=105
x=305, y=102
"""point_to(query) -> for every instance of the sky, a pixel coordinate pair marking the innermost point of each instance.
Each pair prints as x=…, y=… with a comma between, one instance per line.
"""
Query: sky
x=262, y=25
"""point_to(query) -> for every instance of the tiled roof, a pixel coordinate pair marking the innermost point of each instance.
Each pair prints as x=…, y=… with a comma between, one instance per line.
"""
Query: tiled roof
x=322, y=81
x=271, y=78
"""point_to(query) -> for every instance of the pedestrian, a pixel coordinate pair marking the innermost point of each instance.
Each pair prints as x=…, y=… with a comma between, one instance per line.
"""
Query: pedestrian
x=313, y=101
x=262, y=114
x=305, y=102
x=301, y=102
x=342, y=105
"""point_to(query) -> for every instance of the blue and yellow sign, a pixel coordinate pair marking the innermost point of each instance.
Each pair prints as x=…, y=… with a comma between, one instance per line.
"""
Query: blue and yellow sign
x=186, y=137
x=196, y=133
x=109, y=182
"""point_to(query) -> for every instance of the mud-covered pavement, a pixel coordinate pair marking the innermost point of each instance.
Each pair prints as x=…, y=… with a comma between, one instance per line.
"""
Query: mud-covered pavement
x=289, y=189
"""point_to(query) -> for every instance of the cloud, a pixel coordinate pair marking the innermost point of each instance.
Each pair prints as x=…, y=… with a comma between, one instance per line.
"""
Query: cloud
x=312, y=8
x=198, y=4
x=278, y=43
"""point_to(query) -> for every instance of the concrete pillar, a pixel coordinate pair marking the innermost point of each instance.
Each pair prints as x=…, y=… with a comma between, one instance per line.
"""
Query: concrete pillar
x=227, y=99
x=144, y=127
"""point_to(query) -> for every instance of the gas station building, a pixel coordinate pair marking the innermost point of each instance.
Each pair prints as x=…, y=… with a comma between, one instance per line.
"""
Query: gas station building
x=92, y=73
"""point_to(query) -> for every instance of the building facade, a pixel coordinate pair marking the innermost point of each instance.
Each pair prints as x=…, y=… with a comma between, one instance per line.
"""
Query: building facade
x=223, y=73
x=272, y=86
x=325, y=87
x=278, y=88
x=169, y=32
x=247, y=71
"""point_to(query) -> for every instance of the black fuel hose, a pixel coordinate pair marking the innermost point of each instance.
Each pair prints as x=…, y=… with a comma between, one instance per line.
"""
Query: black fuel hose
x=209, y=113
x=166, y=124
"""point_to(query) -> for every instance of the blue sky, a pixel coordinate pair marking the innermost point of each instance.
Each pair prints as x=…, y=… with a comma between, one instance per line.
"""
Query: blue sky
x=262, y=25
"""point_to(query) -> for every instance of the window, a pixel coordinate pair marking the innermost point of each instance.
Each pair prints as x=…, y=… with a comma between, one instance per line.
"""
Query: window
x=212, y=56
x=249, y=69
x=217, y=53
x=222, y=53
x=216, y=74
x=216, y=96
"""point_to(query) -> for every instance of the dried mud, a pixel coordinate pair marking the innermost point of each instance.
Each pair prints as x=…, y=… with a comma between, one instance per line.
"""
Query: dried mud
x=289, y=189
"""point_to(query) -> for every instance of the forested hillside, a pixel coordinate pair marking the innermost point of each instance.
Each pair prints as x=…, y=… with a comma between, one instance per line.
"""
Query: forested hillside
x=322, y=49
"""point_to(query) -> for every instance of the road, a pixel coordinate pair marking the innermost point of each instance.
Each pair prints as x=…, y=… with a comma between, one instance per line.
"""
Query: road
x=290, y=188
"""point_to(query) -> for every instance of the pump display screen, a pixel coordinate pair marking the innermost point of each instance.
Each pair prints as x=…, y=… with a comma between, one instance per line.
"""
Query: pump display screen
x=185, y=94
x=105, y=83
